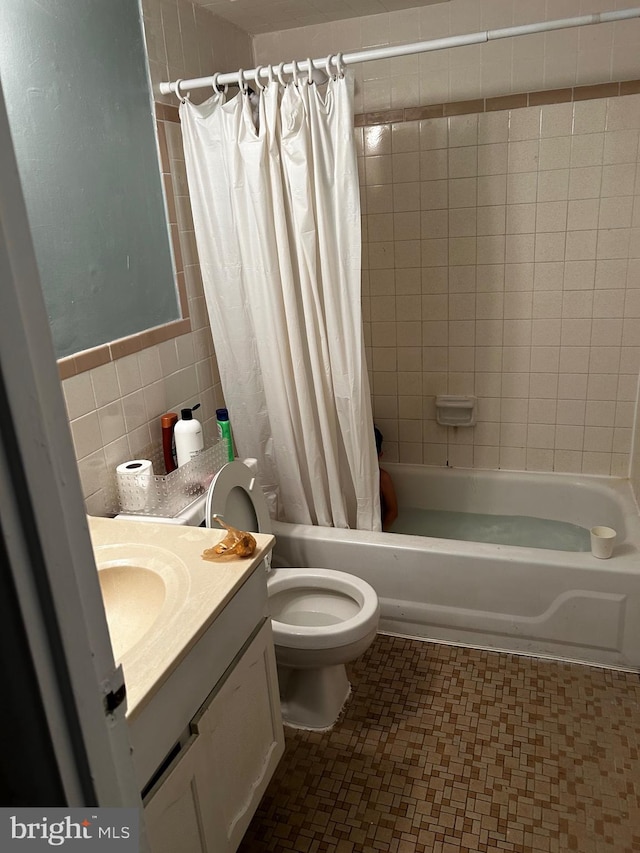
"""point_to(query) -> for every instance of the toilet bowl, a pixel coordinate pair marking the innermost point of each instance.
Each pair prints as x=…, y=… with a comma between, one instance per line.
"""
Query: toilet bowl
x=321, y=619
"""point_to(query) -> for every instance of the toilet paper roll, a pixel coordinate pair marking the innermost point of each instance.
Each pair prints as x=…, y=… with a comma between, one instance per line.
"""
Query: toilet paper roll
x=134, y=484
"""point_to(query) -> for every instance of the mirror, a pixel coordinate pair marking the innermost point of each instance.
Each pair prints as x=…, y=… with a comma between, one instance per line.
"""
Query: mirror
x=75, y=81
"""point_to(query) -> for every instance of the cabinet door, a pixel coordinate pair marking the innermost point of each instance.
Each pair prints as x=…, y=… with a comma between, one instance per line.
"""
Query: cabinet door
x=241, y=742
x=172, y=815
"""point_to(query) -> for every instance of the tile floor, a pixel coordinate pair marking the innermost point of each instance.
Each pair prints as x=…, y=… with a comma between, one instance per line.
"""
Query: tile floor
x=445, y=749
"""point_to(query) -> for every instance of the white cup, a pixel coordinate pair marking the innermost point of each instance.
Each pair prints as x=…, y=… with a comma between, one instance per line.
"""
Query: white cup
x=602, y=539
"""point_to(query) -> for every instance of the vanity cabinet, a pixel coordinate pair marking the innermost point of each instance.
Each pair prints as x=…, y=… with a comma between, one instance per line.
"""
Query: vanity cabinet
x=202, y=688
x=207, y=795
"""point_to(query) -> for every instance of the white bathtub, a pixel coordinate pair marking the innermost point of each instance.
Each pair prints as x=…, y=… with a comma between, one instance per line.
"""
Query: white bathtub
x=557, y=604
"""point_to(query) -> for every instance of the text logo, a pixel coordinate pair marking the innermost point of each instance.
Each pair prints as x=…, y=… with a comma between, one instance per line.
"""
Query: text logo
x=34, y=829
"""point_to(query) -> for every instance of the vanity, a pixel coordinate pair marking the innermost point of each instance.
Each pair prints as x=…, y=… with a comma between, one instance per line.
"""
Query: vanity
x=194, y=640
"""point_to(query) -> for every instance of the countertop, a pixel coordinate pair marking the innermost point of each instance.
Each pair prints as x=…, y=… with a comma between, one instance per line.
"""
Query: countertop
x=197, y=593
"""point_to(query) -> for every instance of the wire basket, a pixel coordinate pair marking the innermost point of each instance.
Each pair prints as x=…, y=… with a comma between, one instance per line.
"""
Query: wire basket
x=165, y=495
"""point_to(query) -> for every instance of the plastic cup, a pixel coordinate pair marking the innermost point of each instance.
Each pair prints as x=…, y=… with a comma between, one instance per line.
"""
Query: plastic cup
x=602, y=540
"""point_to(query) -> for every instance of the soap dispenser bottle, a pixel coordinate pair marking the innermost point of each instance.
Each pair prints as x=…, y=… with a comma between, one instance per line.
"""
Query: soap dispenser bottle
x=188, y=436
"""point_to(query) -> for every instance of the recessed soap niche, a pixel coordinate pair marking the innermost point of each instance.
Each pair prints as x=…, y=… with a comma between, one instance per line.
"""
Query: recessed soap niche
x=456, y=410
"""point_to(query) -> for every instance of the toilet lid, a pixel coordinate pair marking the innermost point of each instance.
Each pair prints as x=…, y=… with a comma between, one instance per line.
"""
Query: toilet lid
x=237, y=496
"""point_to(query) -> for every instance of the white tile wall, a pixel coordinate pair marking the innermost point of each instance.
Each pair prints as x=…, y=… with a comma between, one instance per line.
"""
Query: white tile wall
x=115, y=409
x=595, y=54
x=185, y=40
x=501, y=250
x=526, y=279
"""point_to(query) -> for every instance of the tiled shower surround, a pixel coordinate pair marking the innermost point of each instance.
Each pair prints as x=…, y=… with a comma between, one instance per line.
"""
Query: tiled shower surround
x=500, y=250
x=501, y=259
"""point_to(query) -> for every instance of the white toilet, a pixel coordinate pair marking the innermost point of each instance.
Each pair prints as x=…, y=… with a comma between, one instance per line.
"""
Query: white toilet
x=322, y=619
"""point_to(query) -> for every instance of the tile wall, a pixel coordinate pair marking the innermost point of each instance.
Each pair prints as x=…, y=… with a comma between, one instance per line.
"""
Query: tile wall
x=503, y=254
x=184, y=40
x=114, y=409
x=511, y=203
x=571, y=57
x=500, y=249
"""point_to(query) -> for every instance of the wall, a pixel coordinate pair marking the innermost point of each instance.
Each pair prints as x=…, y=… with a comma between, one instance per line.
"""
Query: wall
x=501, y=246
x=503, y=261
x=595, y=54
x=112, y=418
x=114, y=408
x=185, y=41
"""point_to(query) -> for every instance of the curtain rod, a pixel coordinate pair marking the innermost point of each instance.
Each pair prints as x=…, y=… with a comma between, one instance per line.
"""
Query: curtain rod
x=309, y=65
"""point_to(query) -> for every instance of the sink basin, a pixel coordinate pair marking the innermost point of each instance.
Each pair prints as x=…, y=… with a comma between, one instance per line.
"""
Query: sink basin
x=133, y=599
x=143, y=587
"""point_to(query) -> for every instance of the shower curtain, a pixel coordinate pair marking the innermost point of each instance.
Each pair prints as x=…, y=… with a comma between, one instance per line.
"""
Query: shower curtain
x=277, y=223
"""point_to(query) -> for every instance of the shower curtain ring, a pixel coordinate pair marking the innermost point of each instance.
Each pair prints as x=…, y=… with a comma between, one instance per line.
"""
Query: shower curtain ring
x=180, y=95
x=260, y=86
x=241, y=81
x=327, y=63
x=294, y=71
x=340, y=66
x=279, y=73
x=214, y=83
x=270, y=72
x=310, y=70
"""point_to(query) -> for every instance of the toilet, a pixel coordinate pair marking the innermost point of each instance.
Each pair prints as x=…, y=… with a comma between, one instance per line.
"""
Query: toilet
x=322, y=619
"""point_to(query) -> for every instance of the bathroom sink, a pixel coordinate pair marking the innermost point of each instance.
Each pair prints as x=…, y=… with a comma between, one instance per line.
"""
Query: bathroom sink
x=143, y=588
x=161, y=600
x=133, y=599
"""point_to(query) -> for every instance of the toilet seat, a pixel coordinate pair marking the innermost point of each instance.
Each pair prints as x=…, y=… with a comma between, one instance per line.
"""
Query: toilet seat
x=342, y=632
x=236, y=495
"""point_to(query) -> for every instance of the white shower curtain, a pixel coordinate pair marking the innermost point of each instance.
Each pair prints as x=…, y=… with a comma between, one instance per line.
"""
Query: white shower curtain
x=277, y=221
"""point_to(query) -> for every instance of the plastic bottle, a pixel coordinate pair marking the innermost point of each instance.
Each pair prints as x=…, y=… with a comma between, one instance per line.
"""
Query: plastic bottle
x=188, y=435
x=224, y=431
x=168, y=422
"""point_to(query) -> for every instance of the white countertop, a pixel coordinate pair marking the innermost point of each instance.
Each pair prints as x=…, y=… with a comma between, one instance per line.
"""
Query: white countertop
x=197, y=593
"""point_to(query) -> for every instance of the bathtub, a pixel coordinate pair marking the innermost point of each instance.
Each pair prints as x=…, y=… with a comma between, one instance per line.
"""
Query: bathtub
x=565, y=605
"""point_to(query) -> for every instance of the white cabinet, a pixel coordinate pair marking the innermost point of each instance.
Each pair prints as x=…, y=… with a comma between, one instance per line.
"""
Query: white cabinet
x=207, y=796
x=172, y=815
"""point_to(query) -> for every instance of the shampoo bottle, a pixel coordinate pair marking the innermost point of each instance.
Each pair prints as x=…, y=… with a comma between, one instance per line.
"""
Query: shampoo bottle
x=224, y=431
x=188, y=436
x=168, y=423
